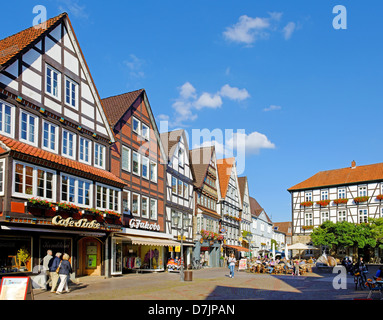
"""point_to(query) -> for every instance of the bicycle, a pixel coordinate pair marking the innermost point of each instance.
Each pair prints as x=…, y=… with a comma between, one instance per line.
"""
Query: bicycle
x=359, y=281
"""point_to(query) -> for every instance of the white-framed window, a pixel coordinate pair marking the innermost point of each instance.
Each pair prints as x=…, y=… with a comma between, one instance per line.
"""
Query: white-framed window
x=136, y=204
x=69, y=140
x=33, y=181
x=308, y=219
x=180, y=188
x=28, y=128
x=2, y=171
x=136, y=124
x=50, y=137
x=53, y=80
x=341, y=193
x=125, y=158
x=85, y=150
x=126, y=201
x=144, y=207
x=145, y=131
x=362, y=191
x=186, y=190
x=7, y=119
x=308, y=196
x=71, y=93
x=342, y=215
x=324, y=195
x=136, y=160
x=99, y=155
x=76, y=190
x=181, y=160
x=153, y=209
x=174, y=185
x=325, y=216
x=145, y=167
x=107, y=198
x=363, y=215
x=153, y=171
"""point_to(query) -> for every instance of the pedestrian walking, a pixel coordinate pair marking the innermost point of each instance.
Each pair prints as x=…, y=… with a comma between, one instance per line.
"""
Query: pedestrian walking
x=47, y=261
x=52, y=271
x=232, y=262
x=64, y=272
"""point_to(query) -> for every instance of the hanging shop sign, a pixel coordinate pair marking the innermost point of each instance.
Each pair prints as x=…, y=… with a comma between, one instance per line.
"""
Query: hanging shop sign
x=139, y=224
x=70, y=222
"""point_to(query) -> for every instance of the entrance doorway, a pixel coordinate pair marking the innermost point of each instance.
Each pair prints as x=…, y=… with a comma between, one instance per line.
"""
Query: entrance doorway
x=89, y=257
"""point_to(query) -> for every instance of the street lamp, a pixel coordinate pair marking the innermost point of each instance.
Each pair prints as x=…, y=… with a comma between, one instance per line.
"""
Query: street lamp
x=185, y=220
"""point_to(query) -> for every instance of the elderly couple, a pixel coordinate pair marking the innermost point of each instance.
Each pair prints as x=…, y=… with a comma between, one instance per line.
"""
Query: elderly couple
x=64, y=269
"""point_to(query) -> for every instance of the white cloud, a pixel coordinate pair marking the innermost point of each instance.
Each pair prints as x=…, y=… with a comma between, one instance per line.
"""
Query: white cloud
x=73, y=8
x=288, y=30
x=248, y=30
x=272, y=108
x=187, y=90
x=207, y=100
x=234, y=93
x=252, y=142
x=135, y=65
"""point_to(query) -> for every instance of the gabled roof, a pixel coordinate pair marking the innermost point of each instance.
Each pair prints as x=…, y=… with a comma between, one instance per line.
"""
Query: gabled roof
x=200, y=160
x=224, y=169
x=350, y=175
x=283, y=227
x=116, y=106
x=170, y=141
x=241, y=186
x=37, y=155
x=256, y=209
x=11, y=46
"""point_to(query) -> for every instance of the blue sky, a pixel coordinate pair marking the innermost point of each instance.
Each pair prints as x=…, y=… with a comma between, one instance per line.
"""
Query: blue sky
x=308, y=97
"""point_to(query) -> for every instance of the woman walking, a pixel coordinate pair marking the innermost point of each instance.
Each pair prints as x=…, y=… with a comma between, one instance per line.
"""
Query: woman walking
x=65, y=270
x=232, y=262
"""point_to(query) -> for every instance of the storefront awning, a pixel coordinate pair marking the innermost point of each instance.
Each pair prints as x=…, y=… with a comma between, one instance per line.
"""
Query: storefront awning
x=151, y=241
x=238, y=248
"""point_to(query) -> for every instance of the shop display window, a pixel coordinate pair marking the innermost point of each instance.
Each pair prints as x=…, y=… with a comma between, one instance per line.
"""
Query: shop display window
x=15, y=254
x=141, y=257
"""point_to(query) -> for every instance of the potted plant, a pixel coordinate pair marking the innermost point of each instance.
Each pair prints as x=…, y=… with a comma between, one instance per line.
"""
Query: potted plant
x=341, y=201
x=307, y=203
x=361, y=199
x=23, y=257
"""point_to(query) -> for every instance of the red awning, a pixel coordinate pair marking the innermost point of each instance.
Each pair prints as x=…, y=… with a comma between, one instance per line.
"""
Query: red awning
x=238, y=248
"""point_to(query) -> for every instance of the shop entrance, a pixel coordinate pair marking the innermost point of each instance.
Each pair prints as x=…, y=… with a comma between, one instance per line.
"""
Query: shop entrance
x=89, y=257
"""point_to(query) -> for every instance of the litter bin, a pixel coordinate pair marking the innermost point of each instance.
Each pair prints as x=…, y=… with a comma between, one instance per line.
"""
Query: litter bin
x=188, y=275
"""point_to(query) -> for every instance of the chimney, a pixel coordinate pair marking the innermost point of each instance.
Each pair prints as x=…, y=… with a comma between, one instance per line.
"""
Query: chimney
x=353, y=164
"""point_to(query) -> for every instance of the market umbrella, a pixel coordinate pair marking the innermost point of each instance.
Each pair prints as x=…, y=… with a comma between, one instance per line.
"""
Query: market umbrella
x=273, y=245
x=286, y=252
x=301, y=246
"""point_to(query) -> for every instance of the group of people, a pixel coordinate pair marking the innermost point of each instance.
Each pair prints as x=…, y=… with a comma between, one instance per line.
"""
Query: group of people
x=57, y=268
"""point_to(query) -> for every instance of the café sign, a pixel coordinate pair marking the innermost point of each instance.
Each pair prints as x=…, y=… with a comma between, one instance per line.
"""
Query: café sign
x=70, y=222
x=139, y=224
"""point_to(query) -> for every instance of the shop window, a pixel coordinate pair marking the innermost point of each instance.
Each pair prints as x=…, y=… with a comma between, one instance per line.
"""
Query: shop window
x=15, y=254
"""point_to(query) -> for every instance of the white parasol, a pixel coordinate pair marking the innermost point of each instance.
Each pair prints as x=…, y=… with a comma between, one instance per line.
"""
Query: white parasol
x=301, y=246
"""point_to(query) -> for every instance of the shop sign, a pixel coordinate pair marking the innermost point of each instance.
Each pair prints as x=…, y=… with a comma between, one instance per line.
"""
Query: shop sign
x=139, y=224
x=70, y=222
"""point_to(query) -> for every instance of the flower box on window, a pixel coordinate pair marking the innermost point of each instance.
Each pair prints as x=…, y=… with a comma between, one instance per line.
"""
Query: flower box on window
x=111, y=214
x=39, y=204
x=323, y=203
x=379, y=197
x=340, y=201
x=67, y=207
x=307, y=203
x=92, y=212
x=361, y=199
x=307, y=227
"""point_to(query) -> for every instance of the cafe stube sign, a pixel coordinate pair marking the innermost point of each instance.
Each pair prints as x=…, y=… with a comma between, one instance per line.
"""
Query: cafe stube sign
x=70, y=222
x=137, y=223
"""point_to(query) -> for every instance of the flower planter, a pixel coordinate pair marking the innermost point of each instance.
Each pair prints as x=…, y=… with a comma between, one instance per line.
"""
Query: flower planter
x=307, y=227
x=340, y=201
x=323, y=203
x=307, y=204
x=379, y=197
x=361, y=199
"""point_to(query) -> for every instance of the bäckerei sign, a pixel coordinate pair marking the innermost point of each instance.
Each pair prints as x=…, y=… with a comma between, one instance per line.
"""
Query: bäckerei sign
x=70, y=222
x=137, y=223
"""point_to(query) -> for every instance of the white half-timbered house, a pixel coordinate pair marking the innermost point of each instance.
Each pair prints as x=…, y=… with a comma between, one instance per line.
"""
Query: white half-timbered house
x=179, y=191
x=54, y=140
x=350, y=194
x=245, y=223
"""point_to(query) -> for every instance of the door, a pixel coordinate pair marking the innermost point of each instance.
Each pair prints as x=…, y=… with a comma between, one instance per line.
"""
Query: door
x=90, y=257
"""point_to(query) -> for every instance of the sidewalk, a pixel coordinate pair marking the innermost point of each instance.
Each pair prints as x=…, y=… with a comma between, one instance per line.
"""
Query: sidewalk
x=208, y=284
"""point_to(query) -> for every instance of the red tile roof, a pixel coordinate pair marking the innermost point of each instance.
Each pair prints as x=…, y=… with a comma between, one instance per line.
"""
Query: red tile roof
x=13, y=45
x=30, y=153
x=224, y=167
x=350, y=175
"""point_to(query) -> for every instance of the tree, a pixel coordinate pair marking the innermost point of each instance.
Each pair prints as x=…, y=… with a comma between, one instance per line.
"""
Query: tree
x=377, y=231
x=324, y=235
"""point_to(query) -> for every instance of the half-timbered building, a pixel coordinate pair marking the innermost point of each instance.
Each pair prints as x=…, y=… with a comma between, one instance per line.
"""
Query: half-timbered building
x=138, y=158
x=179, y=193
x=206, y=220
x=56, y=188
x=245, y=223
x=230, y=204
x=350, y=194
